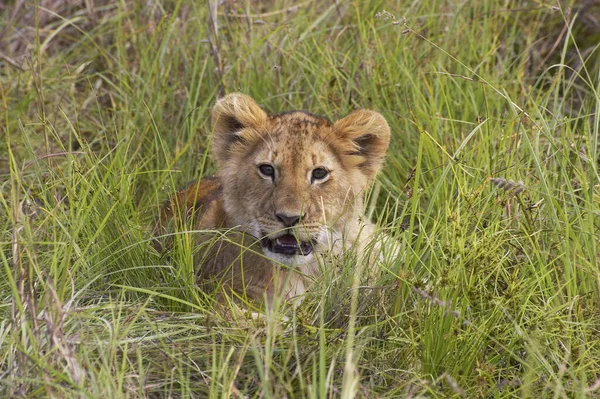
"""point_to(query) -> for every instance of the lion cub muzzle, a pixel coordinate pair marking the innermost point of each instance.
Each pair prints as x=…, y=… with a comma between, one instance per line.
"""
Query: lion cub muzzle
x=288, y=244
x=285, y=242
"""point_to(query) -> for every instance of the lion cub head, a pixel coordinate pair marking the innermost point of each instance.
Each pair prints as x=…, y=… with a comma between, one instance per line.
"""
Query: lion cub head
x=295, y=181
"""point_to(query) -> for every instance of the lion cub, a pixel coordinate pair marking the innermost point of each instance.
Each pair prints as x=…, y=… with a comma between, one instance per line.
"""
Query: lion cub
x=289, y=188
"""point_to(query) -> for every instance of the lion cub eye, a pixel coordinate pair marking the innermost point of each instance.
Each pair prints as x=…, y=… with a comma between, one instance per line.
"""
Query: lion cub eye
x=319, y=174
x=267, y=170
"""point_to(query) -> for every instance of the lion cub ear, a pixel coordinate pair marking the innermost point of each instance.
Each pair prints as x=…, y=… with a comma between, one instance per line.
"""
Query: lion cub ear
x=366, y=136
x=235, y=119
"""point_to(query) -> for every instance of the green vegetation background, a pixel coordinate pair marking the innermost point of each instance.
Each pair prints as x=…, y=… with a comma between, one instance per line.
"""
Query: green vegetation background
x=104, y=111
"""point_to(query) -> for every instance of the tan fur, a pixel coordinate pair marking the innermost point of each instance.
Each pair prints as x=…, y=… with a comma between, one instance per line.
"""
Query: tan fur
x=247, y=203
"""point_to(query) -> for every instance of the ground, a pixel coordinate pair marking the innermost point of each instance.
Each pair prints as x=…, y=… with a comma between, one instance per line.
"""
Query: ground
x=491, y=188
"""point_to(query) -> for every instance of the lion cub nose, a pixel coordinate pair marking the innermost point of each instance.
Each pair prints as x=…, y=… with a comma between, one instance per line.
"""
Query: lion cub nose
x=288, y=220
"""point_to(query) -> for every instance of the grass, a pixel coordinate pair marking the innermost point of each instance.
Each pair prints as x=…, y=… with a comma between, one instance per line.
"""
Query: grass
x=496, y=293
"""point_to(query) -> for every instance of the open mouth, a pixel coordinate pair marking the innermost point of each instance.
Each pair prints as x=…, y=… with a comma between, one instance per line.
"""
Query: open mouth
x=287, y=244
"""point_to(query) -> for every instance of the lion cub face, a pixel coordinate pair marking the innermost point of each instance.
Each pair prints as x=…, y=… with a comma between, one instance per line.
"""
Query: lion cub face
x=295, y=181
